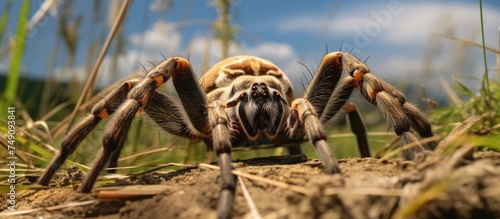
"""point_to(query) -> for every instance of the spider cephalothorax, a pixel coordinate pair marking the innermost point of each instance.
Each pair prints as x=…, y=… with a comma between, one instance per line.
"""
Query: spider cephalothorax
x=245, y=100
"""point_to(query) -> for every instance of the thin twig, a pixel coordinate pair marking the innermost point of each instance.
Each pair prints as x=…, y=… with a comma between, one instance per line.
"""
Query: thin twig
x=458, y=134
x=146, y=153
x=93, y=74
x=413, y=144
x=486, y=77
x=37, y=139
x=45, y=127
x=262, y=179
x=369, y=191
x=253, y=209
x=55, y=110
x=163, y=166
x=470, y=43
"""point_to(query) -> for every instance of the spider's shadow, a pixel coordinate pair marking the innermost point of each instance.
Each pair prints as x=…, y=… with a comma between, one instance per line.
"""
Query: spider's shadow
x=275, y=160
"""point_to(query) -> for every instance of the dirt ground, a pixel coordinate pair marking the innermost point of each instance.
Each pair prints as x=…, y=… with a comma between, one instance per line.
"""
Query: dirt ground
x=460, y=185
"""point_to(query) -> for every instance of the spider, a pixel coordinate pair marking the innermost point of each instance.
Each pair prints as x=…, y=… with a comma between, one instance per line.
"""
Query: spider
x=243, y=101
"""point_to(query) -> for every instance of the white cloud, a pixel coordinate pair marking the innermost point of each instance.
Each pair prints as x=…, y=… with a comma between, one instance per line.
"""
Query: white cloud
x=414, y=21
x=165, y=38
x=199, y=47
x=161, y=38
x=272, y=50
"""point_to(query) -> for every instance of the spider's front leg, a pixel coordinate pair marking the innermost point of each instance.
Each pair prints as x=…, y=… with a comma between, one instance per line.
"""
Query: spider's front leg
x=221, y=143
x=400, y=114
x=327, y=96
x=105, y=107
x=116, y=131
x=177, y=117
x=304, y=116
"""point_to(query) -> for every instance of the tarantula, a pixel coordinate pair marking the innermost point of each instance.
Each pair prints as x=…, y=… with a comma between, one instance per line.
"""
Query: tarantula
x=242, y=101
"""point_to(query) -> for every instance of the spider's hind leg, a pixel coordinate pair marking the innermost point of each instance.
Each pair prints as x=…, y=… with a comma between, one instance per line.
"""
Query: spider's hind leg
x=358, y=128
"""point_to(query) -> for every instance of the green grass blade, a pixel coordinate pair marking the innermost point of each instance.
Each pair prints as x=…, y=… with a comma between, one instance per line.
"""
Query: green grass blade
x=4, y=18
x=464, y=89
x=17, y=58
x=486, y=79
x=491, y=142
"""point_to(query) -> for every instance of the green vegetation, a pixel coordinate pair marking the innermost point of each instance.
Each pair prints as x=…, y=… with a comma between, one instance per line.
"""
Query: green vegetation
x=18, y=45
x=478, y=113
x=476, y=105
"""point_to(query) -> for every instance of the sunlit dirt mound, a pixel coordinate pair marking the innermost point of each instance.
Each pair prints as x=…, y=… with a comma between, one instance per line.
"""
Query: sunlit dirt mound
x=458, y=185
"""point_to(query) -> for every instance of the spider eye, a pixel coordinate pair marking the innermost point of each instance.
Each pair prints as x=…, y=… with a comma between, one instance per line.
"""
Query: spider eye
x=242, y=95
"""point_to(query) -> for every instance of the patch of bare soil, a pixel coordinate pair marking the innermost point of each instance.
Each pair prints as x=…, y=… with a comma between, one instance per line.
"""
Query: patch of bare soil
x=460, y=185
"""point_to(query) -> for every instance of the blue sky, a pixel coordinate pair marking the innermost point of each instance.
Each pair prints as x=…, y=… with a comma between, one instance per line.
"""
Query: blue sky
x=401, y=37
